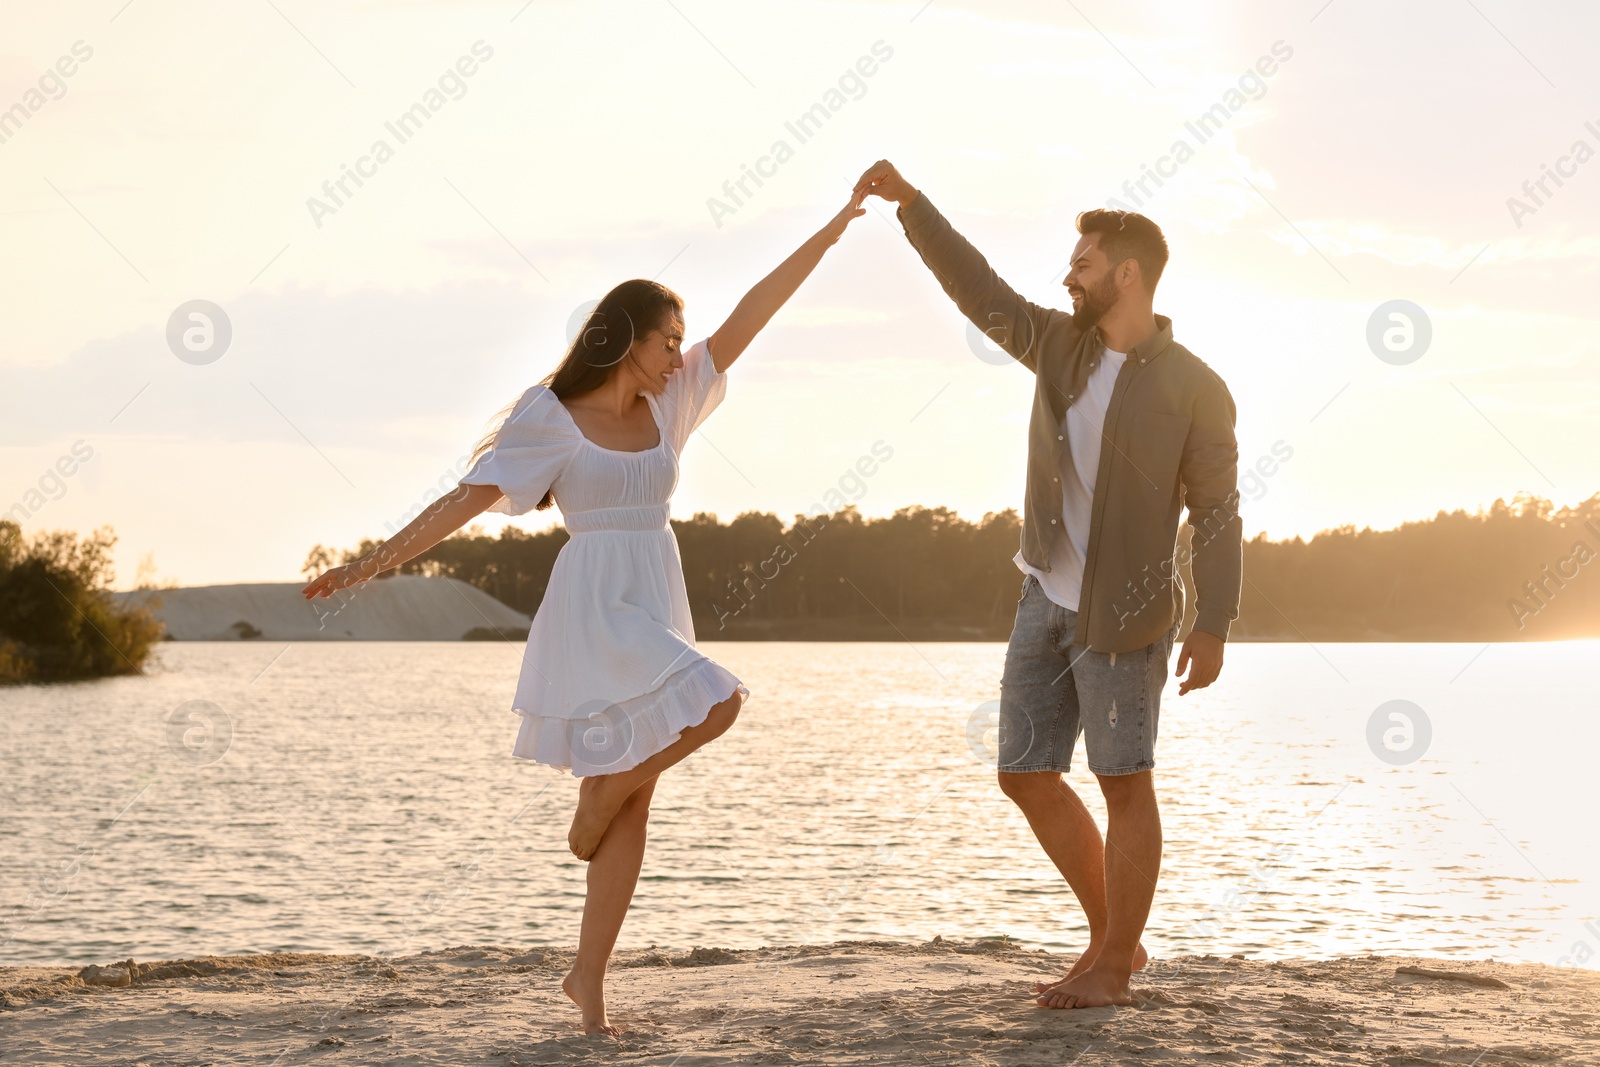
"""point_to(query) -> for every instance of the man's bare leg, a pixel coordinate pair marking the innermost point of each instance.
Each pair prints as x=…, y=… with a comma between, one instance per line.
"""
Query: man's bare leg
x=1132, y=865
x=613, y=874
x=600, y=795
x=1069, y=836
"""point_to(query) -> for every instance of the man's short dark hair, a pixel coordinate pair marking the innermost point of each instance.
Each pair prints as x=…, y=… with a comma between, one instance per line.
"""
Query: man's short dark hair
x=1128, y=235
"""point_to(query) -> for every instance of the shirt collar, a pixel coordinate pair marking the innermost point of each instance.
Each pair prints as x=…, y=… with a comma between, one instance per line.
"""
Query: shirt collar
x=1158, y=343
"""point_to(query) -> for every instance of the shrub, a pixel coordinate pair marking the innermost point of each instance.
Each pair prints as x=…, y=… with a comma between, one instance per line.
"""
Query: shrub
x=58, y=621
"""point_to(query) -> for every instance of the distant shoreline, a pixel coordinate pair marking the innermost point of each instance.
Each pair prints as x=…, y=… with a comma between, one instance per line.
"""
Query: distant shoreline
x=416, y=608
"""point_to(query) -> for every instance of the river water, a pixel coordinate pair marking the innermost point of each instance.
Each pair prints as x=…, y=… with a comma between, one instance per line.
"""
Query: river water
x=361, y=797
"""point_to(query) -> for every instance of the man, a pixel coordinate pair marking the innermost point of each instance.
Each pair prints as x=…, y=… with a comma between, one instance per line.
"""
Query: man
x=1128, y=428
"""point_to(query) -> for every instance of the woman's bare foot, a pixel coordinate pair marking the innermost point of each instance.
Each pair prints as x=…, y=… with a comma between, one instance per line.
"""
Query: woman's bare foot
x=1085, y=961
x=1097, y=987
x=598, y=801
x=590, y=997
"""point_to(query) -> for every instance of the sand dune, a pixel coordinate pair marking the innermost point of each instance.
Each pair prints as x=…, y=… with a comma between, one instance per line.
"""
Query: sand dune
x=845, y=1003
x=403, y=608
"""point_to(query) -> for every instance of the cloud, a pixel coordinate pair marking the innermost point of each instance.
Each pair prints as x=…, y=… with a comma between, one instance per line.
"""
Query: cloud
x=365, y=366
x=1347, y=238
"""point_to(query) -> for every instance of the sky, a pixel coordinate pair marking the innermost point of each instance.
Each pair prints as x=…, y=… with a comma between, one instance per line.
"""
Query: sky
x=1359, y=154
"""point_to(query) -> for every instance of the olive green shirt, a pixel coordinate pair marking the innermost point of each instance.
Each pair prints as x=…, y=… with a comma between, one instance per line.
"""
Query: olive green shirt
x=1167, y=444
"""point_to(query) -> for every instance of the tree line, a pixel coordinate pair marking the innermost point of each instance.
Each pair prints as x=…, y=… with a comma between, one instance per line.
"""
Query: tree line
x=1513, y=571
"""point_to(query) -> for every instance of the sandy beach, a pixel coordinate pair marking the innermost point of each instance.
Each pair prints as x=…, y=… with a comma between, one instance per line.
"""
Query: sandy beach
x=844, y=1003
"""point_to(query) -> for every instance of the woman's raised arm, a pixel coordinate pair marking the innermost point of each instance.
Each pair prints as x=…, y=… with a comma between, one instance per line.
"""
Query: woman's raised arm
x=772, y=292
x=438, y=520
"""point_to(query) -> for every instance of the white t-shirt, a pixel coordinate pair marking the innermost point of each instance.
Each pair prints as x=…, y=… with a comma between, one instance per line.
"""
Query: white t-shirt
x=1080, y=462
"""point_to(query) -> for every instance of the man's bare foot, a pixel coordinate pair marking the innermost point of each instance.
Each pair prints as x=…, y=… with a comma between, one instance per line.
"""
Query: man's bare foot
x=1095, y=988
x=598, y=802
x=1085, y=961
x=590, y=997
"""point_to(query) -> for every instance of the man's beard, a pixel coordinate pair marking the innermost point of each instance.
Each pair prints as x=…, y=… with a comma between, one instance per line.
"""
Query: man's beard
x=1096, y=302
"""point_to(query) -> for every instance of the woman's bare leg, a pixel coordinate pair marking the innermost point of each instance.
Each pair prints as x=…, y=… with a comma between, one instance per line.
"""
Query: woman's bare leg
x=600, y=796
x=613, y=873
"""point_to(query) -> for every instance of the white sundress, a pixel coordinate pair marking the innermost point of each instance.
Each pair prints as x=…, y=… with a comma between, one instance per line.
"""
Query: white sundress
x=611, y=674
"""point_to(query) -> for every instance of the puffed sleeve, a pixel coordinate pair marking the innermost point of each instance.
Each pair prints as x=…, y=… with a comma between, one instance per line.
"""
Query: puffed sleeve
x=692, y=393
x=529, y=454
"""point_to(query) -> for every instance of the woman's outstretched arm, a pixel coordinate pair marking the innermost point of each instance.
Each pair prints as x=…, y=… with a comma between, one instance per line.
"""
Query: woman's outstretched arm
x=772, y=292
x=438, y=520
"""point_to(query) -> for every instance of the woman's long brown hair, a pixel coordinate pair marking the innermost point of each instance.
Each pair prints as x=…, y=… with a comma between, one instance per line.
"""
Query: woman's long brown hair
x=630, y=310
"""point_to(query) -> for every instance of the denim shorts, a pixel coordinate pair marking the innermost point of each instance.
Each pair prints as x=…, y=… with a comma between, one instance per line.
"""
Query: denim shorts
x=1052, y=690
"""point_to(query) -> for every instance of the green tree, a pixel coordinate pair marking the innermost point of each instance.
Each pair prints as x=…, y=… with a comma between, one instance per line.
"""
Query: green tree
x=58, y=620
x=1518, y=571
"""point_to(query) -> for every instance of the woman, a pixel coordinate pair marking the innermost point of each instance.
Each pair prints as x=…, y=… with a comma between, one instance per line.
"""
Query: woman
x=612, y=685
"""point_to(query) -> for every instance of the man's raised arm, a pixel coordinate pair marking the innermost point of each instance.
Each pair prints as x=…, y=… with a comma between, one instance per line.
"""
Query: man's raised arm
x=1008, y=320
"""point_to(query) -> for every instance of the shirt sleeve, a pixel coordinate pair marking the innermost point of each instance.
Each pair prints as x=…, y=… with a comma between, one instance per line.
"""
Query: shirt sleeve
x=692, y=394
x=530, y=451
x=1210, y=475
x=1015, y=324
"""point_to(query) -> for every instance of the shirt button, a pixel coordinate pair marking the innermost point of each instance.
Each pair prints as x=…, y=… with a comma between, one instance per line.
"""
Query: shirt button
x=1072, y=396
x=1060, y=438
x=1055, y=479
x=1052, y=522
